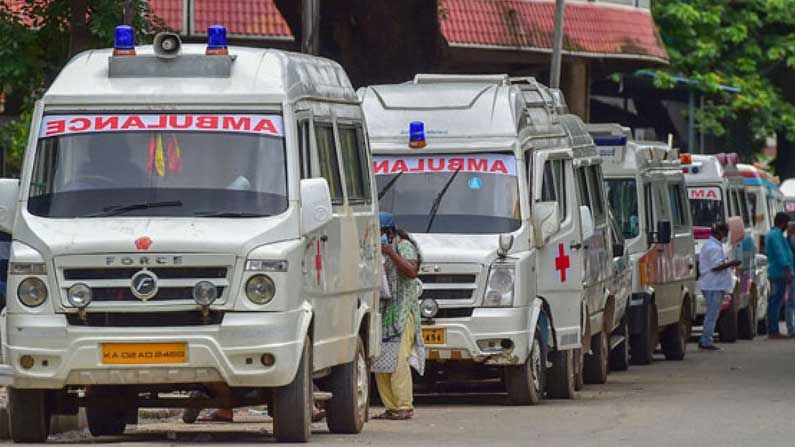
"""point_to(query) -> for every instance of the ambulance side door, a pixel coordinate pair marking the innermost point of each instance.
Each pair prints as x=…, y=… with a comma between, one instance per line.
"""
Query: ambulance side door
x=325, y=256
x=559, y=262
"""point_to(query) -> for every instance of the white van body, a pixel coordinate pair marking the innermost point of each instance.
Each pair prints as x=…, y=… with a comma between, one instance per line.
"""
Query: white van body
x=232, y=151
x=716, y=192
x=485, y=126
x=645, y=186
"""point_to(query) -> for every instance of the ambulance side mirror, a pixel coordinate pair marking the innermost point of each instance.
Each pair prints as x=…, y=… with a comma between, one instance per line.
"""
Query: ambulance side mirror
x=316, y=208
x=9, y=197
x=586, y=220
x=663, y=232
x=546, y=222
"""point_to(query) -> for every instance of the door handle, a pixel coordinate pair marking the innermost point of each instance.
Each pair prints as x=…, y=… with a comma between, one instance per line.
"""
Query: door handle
x=575, y=246
x=324, y=238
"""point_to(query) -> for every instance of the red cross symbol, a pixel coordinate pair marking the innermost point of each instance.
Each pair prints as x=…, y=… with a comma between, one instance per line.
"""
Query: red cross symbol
x=562, y=263
x=318, y=263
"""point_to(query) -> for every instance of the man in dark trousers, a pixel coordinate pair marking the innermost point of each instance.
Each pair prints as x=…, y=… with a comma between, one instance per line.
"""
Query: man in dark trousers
x=715, y=280
x=779, y=272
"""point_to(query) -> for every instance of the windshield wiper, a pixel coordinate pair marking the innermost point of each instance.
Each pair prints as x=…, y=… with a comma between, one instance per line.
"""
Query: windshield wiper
x=438, y=200
x=389, y=185
x=229, y=214
x=120, y=209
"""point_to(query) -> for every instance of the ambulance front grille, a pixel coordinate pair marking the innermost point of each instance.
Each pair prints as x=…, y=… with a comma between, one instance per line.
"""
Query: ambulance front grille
x=87, y=274
x=451, y=289
x=163, y=294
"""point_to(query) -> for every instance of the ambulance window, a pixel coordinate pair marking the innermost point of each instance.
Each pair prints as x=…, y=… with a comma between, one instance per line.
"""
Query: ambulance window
x=303, y=144
x=744, y=209
x=649, y=209
x=327, y=160
x=597, y=194
x=752, y=207
x=354, y=161
x=677, y=205
x=735, y=204
x=553, y=188
x=582, y=183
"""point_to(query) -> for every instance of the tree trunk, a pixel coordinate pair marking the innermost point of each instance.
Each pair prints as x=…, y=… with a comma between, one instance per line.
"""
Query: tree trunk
x=79, y=36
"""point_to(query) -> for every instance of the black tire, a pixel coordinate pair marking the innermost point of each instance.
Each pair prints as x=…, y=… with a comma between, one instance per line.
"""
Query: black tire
x=292, y=404
x=746, y=328
x=105, y=421
x=595, y=365
x=560, y=377
x=579, y=377
x=728, y=325
x=641, y=346
x=761, y=326
x=619, y=356
x=346, y=412
x=526, y=383
x=29, y=419
x=190, y=415
x=675, y=336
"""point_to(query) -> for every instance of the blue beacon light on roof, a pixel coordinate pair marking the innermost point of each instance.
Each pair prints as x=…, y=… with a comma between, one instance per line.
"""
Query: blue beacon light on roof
x=610, y=140
x=417, y=135
x=124, y=41
x=216, y=41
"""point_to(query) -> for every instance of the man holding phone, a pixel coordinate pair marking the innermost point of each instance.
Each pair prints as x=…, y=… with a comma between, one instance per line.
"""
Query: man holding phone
x=715, y=280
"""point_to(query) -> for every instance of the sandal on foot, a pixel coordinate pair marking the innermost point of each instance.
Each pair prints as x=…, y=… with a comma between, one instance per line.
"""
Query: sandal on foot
x=216, y=416
x=385, y=415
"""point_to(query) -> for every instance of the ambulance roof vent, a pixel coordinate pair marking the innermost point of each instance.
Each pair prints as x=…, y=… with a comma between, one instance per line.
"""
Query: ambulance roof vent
x=182, y=66
x=477, y=79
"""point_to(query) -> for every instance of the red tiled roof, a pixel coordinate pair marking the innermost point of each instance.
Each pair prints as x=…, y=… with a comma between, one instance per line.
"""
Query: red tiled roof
x=170, y=12
x=249, y=18
x=590, y=29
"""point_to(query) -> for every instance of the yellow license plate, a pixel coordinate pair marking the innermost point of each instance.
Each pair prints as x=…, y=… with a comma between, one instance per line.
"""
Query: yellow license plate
x=434, y=336
x=144, y=353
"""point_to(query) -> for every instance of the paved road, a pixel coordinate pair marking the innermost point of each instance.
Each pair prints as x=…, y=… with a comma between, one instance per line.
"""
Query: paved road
x=743, y=396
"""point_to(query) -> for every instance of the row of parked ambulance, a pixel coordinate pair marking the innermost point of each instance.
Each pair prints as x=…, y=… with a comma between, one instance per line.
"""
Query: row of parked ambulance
x=205, y=219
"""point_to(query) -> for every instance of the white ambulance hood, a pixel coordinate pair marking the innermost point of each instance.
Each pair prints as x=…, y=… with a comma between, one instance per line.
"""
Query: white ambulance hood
x=458, y=248
x=238, y=236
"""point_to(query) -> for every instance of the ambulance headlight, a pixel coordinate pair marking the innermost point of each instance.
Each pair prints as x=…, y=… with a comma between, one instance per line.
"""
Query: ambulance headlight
x=79, y=295
x=429, y=308
x=499, y=290
x=260, y=289
x=205, y=293
x=32, y=292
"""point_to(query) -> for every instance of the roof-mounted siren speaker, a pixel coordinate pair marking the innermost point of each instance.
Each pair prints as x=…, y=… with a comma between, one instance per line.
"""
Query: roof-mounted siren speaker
x=167, y=45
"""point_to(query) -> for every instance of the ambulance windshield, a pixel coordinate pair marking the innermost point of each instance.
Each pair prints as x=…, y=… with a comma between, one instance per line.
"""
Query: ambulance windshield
x=622, y=194
x=482, y=195
x=197, y=165
x=706, y=205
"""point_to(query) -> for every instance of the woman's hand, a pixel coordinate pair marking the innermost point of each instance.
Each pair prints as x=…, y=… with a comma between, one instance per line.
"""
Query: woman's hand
x=388, y=250
x=405, y=267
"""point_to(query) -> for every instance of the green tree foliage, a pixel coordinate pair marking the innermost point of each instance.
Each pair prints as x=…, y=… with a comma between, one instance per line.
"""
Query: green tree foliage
x=37, y=38
x=737, y=43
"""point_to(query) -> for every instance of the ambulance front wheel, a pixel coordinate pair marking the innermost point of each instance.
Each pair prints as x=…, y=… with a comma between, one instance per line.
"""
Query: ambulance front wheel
x=560, y=377
x=349, y=385
x=728, y=325
x=619, y=356
x=292, y=404
x=29, y=419
x=643, y=343
x=595, y=367
x=526, y=383
x=674, y=340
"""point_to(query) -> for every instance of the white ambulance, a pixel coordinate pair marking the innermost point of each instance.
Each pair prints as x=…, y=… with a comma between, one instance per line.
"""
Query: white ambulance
x=716, y=192
x=485, y=178
x=646, y=193
x=192, y=216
